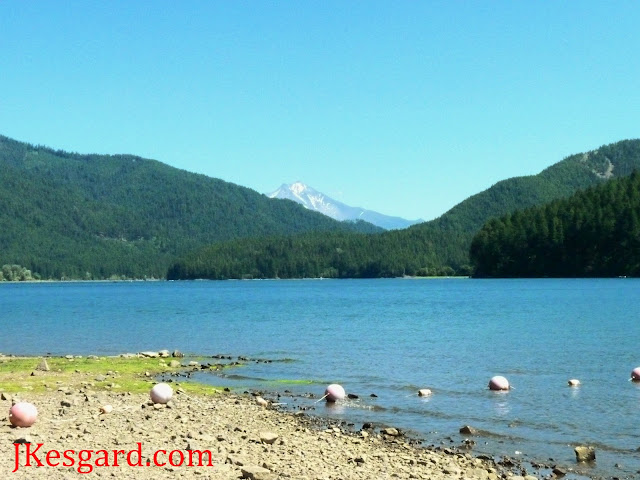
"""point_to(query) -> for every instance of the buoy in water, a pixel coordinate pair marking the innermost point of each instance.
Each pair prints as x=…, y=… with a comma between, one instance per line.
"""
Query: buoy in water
x=635, y=374
x=424, y=392
x=499, y=383
x=23, y=414
x=334, y=392
x=161, y=393
x=574, y=382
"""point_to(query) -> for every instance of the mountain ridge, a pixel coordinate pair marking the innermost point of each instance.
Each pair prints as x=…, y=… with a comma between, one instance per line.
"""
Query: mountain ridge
x=70, y=215
x=437, y=247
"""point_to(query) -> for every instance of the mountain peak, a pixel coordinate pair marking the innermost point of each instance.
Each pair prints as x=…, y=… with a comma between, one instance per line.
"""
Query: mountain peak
x=314, y=200
x=296, y=187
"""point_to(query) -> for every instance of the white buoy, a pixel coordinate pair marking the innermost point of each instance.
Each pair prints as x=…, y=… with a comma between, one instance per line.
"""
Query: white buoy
x=23, y=414
x=574, y=382
x=499, y=383
x=161, y=393
x=334, y=392
x=424, y=392
x=635, y=374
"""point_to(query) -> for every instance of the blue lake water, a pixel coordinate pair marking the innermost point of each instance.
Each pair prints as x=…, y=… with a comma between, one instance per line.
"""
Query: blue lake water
x=388, y=337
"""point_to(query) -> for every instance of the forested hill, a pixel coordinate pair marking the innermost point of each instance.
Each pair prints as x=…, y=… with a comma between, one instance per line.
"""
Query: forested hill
x=451, y=234
x=593, y=233
x=439, y=247
x=65, y=215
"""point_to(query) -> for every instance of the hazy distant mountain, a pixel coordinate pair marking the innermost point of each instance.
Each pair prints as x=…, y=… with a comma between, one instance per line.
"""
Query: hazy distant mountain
x=319, y=202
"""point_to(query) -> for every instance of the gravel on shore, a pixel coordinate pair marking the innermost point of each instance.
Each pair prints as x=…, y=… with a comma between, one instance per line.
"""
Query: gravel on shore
x=245, y=440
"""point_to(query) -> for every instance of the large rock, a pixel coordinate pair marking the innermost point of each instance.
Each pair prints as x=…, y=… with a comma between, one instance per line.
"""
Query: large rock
x=150, y=354
x=468, y=430
x=585, y=453
x=43, y=365
x=268, y=437
x=254, y=472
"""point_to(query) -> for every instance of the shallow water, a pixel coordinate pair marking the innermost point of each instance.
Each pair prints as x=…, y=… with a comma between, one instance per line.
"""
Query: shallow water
x=388, y=337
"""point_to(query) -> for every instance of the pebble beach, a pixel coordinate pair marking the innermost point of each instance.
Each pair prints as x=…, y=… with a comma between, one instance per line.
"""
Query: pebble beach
x=244, y=437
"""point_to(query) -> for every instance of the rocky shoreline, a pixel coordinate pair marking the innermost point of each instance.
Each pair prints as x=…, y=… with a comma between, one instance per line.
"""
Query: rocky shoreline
x=238, y=436
x=245, y=438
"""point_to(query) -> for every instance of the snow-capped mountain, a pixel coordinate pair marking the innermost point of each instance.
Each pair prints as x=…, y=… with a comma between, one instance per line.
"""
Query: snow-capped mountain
x=319, y=202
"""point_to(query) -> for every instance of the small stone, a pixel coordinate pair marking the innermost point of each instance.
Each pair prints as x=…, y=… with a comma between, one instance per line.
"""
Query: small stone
x=24, y=439
x=392, y=432
x=177, y=354
x=174, y=364
x=193, y=363
x=69, y=357
x=585, y=453
x=253, y=472
x=262, y=402
x=100, y=378
x=235, y=460
x=360, y=459
x=163, y=353
x=192, y=445
x=268, y=437
x=150, y=354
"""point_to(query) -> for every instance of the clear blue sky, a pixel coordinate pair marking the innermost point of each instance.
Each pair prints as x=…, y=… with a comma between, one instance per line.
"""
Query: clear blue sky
x=404, y=107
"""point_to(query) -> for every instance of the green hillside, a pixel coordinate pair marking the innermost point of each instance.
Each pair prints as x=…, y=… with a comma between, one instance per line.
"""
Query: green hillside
x=455, y=229
x=592, y=233
x=65, y=215
x=439, y=247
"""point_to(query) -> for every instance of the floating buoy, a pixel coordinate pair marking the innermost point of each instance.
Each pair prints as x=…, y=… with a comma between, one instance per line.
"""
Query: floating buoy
x=161, y=393
x=574, y=382
x=635, y=374
x=334, y=392
x=499, y=383
x=424, y=392
x=23, y=414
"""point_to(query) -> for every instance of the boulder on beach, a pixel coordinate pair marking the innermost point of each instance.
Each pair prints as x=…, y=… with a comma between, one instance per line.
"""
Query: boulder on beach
x=43, y=366
x=585, y=453
x=468, y=430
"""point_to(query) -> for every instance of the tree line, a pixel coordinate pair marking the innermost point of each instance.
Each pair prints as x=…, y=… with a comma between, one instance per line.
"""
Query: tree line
x=594, y=233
